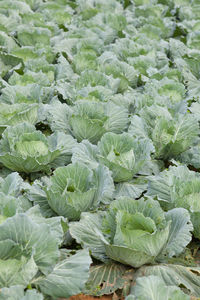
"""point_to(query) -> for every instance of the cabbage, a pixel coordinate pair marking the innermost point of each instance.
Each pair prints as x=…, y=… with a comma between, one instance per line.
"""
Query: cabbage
x=73, y=189
x=178, y=187
x=24, y=149
x=123, y=155
x=134, y=232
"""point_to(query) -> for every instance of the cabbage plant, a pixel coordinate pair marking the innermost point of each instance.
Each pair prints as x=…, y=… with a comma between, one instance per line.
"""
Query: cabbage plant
x=123, y=155
x=24, y=149
x=178, y=187
x=171, y=133
x=12, y=198
x=112, y=66
x=17, y=113
x=134, y=232
x=90, y=120
x=30, y=256
x=87, y=119
x=73, y=189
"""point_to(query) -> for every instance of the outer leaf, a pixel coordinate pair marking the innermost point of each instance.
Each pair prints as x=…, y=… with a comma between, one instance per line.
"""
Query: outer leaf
x=178, y=187
x=37, y=194
x=68, y=276
x=191, y=156
x=55, y=223
x=32, y=237
x=58, y=116
x=64, y=143
x=9, y=205
x=131, y=189
x=12, y=293
x=14, y=272
x=86, y=153
x=32, y=295
x=9, y=249
x=9, y=62
x=87, y=232
x=105, y=185
x=17, y=113
x=180, y=228
x=87, y=129
x=117, y=118
x=17, y=293
x=175, y=275
x=105, y=279
x=12, y=184
x=154, y=288
x=128, y=256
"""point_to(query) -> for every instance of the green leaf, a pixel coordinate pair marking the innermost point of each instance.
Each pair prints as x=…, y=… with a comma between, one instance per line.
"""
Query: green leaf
x=105, y=279
x=12, y=184
x=25, y=149
x=175, y=275
x=72, y=190
x=29, y=36
x=37, y=194
x=85, y=153
x=123, y=155
x=91, y=120
x=9, y=63
x=87, y=232
x=128, y=256
x=17, y=113
x=17, y=272
x=58, y=116
x=180, y=231
x=17, y=293
x=105, y=185
x=131, y=189
x=154, y=288
x=68, y=276
x=178, y=187
x=32, y=237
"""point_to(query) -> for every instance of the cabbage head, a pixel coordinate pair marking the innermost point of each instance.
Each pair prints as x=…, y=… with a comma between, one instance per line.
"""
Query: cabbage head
x=71, y=190
x=171, y=133
x=123, y=154
x=29, y=254
x=134, y=232
x=90, y=120
x=17, y=113
x=25, y=149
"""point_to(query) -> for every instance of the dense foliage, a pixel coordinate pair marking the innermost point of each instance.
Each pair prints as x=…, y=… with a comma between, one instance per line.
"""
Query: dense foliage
x=99, y=149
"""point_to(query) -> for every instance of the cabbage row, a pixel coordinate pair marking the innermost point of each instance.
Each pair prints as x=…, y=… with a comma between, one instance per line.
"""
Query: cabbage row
x=99, y=149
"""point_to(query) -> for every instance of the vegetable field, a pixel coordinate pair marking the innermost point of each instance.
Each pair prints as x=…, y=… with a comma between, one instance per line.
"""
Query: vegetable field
x=100, y=149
